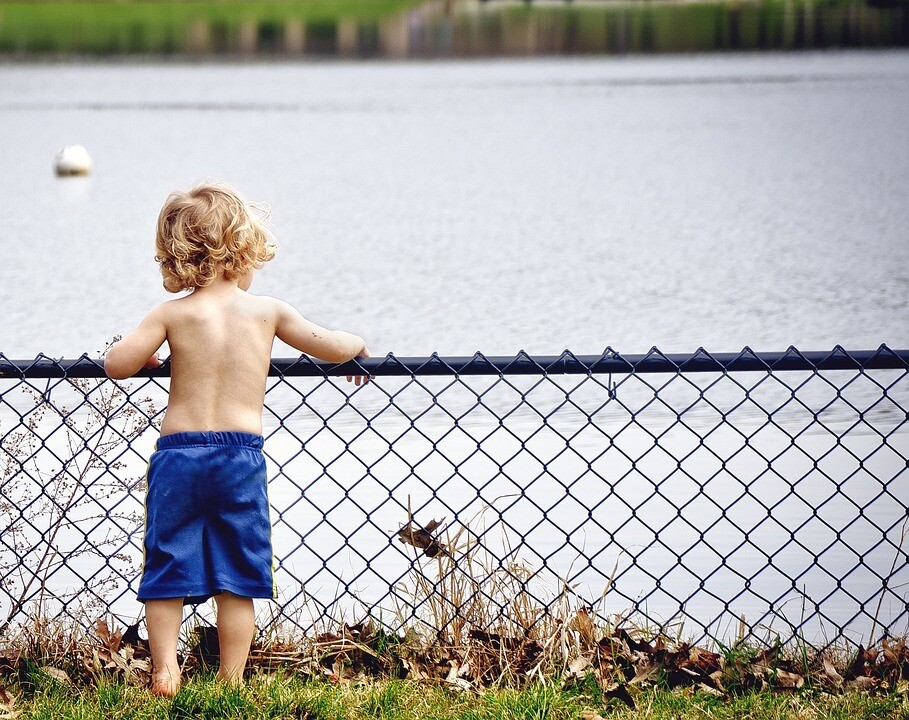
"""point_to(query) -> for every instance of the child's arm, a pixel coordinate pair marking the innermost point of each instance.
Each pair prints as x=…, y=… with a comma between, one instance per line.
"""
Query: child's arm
x=334, y=346
x=138, y=349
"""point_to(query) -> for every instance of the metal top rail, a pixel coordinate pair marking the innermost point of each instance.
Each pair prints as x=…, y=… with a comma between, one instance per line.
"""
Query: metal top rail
x=567, y=363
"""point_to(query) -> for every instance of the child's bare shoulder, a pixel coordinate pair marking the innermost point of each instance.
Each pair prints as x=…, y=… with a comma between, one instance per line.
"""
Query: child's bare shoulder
x=178, y=313
x=160, y=314
x=168, y=310
x=275, y=307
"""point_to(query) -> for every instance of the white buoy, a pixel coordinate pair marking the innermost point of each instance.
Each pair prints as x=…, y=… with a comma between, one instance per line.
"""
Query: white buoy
x=72, y=160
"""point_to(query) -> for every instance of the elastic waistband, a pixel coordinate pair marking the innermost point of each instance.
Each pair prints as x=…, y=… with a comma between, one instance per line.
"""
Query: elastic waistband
x=210, y=437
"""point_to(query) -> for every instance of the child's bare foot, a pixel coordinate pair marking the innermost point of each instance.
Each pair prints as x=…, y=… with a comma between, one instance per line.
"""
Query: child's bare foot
x=229, y=679
x=164, y=684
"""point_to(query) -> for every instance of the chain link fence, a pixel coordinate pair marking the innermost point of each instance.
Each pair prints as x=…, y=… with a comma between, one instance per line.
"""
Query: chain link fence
x=705, y=494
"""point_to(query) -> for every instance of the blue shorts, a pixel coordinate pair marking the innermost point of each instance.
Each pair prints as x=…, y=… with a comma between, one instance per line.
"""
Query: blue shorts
x=207, y=527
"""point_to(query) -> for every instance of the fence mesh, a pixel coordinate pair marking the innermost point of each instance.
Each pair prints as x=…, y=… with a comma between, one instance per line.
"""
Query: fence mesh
x=756, y=492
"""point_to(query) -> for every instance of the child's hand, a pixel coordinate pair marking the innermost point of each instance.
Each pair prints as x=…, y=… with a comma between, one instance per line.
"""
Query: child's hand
x=153, y=362
x=360, y=379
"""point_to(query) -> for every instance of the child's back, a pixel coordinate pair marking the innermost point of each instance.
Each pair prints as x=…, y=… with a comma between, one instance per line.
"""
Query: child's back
x=220, y=340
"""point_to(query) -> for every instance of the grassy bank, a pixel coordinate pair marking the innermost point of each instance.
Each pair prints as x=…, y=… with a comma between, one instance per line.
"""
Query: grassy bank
x=401, y=28
x=178, y=27
x=581, y=671
x=287, y=696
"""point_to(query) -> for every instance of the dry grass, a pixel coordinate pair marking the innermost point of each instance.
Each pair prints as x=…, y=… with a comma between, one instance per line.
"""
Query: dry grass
x=473, y=625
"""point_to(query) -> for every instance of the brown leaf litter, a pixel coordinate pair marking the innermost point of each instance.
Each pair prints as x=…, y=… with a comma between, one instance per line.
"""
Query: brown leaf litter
x=621, y=660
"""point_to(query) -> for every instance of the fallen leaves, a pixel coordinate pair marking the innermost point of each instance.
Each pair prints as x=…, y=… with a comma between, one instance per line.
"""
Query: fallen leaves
x=8, y=702
x=111, y=653
x=623, y=661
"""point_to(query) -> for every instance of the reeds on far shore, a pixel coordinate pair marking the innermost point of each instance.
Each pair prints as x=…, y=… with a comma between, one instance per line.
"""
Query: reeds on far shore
x=472, y=622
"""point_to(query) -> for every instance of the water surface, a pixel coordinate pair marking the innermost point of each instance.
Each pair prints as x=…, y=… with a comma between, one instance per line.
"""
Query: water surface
x=716, y=201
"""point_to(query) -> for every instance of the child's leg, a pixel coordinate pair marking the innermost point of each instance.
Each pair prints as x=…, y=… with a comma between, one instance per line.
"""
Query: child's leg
x=236, y=627
x=163, y=618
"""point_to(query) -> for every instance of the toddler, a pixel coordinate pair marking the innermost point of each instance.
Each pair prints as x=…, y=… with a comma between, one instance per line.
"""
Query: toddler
x=207, y=530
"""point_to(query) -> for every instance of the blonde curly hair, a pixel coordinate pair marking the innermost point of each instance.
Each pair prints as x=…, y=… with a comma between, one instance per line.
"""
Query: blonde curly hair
x=207, y=231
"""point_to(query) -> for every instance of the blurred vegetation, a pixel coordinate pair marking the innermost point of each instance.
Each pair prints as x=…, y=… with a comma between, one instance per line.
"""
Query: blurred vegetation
x=410, y=28
x=141, y=26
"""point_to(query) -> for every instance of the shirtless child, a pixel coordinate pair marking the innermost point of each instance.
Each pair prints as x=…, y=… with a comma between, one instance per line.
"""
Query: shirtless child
x=207, y=525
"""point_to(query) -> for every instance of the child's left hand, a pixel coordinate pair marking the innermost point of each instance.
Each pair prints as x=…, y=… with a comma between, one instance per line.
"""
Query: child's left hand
x=153, y=362
x=360, y=379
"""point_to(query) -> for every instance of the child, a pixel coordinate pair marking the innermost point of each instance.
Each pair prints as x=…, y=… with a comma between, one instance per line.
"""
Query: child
x=207, y=525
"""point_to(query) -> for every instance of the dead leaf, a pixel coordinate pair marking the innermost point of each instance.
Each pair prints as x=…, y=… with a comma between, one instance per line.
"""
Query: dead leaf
x=422, y=538
x=462, y=684
x=583, y=624
x=646, y=675
x=591, y=715
x=862, y=683
x=717, y=679
x=415, y=669
x=56, y=674
x=705, y=660
x=788, y=680
x=704, y=687
x=620, y=692
x=93, y=663
x=894, y=650
x=831, y=674
x=110, y=640
x=8, y=705
x=8, y=709
x=577, y=668
x=131, y=637
x=857, y=666
x=637, y=646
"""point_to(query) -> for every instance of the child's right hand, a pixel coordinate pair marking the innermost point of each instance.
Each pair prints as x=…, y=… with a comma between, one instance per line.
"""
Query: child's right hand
x=360, y=379
x=153, y=362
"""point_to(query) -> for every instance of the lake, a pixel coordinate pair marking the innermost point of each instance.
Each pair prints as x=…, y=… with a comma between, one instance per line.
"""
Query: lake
x=543, y=204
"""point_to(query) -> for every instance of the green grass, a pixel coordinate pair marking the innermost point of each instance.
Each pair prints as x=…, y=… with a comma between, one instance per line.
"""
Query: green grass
x=169, y=27
x=165, y=27
x=287, y=696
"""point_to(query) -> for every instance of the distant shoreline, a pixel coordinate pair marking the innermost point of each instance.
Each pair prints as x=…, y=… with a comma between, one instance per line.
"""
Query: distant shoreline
x=398, y=29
